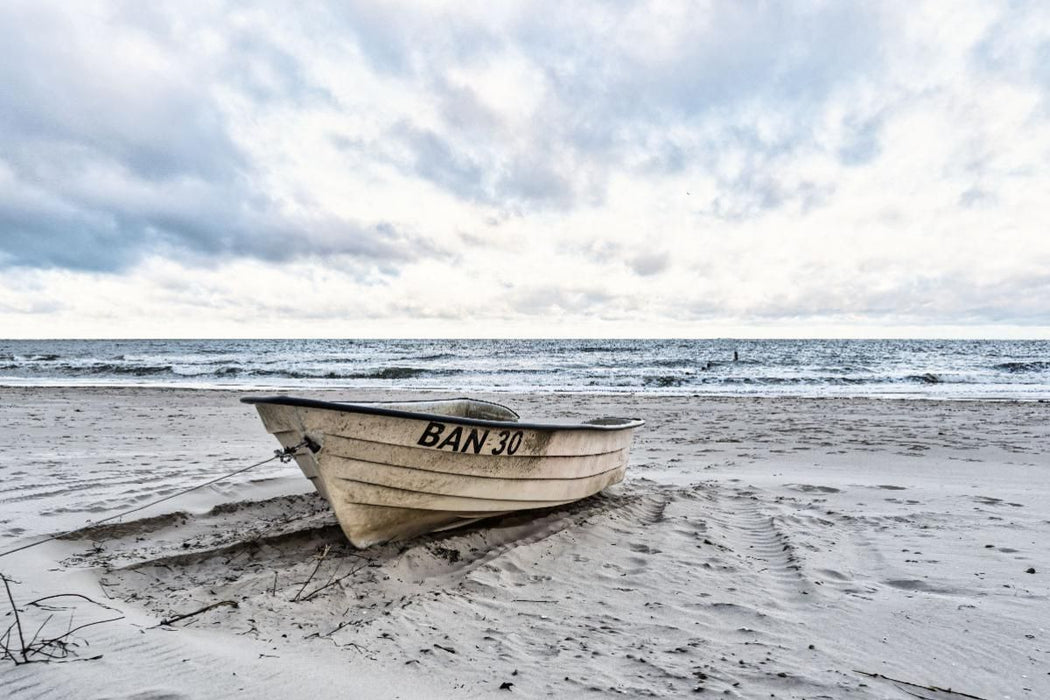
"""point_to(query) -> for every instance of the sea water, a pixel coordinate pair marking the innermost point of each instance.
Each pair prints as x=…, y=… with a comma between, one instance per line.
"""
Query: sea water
x=947, y=369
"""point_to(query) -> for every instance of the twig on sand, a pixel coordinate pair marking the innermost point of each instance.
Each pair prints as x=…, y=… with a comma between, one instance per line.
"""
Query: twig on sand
x=360, y=648
x=314, y=592
x=44, y=647
x=40, y=629
x=313, y=573
x=38, y=601
x=18, y=622
x=273, y=591
x=206, y=608
x=341, y=625
x=934, y=688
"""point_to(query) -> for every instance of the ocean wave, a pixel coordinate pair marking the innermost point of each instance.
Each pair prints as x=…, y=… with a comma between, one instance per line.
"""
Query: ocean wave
x=824, y=380
x=213, y=351
x=384, y=373
x=111, y=368
x=613, y=348
x=663, y=380
x=677, y=362
x=1023, y=367
x=788, y=381
x=42, y=357
x=280, y=374
x=395, y=373
x=805, y=368
x=927, y=378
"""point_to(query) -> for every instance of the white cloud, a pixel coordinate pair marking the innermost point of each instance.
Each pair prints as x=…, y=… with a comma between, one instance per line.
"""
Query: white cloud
x=640, y=169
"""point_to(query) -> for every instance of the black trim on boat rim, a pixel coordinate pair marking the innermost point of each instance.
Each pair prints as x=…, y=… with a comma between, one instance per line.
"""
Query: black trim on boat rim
x=376, y=409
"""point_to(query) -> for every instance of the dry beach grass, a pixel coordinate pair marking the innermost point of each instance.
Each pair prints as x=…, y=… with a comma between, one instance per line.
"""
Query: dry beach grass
x=758, y=547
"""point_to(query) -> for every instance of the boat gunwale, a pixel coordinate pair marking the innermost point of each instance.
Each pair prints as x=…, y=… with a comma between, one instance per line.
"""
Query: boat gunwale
x=376, y=409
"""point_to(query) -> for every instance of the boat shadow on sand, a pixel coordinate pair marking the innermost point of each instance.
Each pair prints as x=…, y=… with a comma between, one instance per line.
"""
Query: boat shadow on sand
x=268, y=555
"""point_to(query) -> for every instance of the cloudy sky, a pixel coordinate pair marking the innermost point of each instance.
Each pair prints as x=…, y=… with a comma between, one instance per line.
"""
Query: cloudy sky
x=536, y=169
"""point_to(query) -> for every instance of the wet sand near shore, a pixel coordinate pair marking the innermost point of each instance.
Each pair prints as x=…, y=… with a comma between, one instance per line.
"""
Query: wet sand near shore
x=781, y=546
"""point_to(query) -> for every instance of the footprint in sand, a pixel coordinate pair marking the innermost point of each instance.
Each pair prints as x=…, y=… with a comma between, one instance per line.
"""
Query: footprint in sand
x=921, y=586
x=810, y=488
x=643, y=548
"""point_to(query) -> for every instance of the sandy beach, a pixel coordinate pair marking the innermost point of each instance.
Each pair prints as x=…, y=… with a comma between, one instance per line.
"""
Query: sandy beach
x=787, y=547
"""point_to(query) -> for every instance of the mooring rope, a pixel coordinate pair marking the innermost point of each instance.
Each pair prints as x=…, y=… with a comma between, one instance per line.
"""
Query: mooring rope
x=284, y=455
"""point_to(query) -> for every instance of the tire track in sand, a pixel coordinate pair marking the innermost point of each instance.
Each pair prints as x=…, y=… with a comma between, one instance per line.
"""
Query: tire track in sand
x=758, y=538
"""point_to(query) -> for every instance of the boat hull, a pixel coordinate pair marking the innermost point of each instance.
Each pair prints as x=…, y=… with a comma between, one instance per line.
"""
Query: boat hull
x=392, y=474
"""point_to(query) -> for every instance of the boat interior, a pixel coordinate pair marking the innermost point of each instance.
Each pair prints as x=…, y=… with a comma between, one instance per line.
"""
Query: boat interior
x=457, y=408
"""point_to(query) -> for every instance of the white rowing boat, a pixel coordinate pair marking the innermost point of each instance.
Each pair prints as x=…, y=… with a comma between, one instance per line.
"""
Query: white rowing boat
x=395, y=470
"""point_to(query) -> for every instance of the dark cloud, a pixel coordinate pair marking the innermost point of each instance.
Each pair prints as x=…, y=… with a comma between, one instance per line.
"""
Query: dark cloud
x=436, y=159
x=405, y=40
x=113, y=146
x=499, y=177
x=70, y=97
x=787, y=55
x=756, y=191
x=100, y=215
x=465, y=113
x=268, y=73
x=538, y=301
x=725, y=56
x=535, y=178
x=612, y=106
x=650, y=264
x=383, y=33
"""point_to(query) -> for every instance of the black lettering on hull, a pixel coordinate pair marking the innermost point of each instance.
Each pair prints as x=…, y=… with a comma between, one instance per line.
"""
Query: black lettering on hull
x=456, y=440
x=431, y=434
x=475, y=441
x=452, y=441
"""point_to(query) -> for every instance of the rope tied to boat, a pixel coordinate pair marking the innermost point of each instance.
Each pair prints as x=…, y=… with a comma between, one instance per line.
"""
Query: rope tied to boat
x=286, y=455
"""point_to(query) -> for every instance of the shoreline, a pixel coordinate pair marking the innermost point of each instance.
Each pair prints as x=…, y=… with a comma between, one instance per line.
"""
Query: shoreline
x=757, y=546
